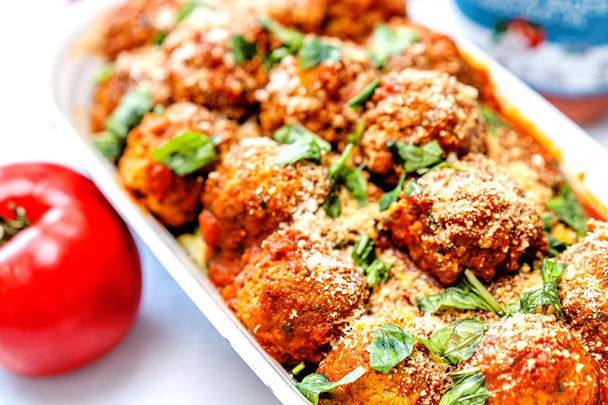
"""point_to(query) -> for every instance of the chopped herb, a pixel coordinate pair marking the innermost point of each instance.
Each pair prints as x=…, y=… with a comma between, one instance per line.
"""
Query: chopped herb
x=315, y=384
x=492, y=120
x=412, y=188
x=468, y=293
x=186, y=153
x=286, y=328
x=332, y=205
x=389, y=42
x=160, y=37
x=353, y=179
x=469, y=387
x=187, y=9
x=303, y=144
x=390, y=197
x=546, y=296
x=104, y=73
x=291, y=38
x=456, y=341
x=298, y=369
x=315, y=50
x=360, y=99
x=390, y=346
x=364, y=255
x=275, y=56
x=556, y=246
x=129, y=113
x=109, y=145
x=355, y=137
x=567, y=208
x=415, y=158
x=242, y=49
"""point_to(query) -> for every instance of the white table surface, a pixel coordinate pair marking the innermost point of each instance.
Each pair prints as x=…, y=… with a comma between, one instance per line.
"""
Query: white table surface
x=173, y=355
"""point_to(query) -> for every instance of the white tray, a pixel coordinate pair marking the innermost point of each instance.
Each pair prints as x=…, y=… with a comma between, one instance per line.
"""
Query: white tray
x=71, y=71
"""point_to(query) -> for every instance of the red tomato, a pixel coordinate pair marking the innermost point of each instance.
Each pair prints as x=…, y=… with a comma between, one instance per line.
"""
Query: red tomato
x=70, y=283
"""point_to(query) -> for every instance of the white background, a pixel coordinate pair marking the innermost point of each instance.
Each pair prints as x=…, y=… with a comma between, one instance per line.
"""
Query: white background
x=173, y=355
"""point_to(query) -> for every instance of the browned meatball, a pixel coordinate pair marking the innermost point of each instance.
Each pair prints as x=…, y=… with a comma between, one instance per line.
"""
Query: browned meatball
x=418, y=107
x=142, y=68
x=248, y=196
x=202, y=64
x=136, y=23
x=317, y=98
x=433, y=51
x=531, y=359
x=173, y=199
x=296, y=298
x=468, y=216
x=418, y=380
x=345, y=19
x=583, y=289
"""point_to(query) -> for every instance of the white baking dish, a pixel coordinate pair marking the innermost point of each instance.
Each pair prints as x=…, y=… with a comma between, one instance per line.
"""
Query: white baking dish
x=71, y=73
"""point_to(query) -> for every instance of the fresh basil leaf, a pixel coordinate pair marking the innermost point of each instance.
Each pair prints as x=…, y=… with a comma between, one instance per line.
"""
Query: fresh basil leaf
x=314, y=384
x=390, y=346
x=332, y=205
x=353, y=179
x=389, y=42
x=493, y=120
x=104, y=73
x=556, y=246
x=129, y=113
x=293, y=39
x=391, y=196
x=414, y=157
x=456, y=341
x=360, y=99
x=315, y=51
x=109, y=145
x=469, y=388
x=187, y=9
x=567, y=208
x=468, y=293
x=242, y=49
x=274, y=57
x=355, y=137
x=303, y=144
x=186, y=153
x=376, y=272
x=546, y=296
x=412, y=188
x=364, y=251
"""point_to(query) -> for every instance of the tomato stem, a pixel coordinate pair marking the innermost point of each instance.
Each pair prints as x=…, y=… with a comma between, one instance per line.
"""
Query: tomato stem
x=11, y=227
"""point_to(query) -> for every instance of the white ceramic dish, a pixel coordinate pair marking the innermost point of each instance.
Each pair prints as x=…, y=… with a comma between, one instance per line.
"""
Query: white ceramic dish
x=71, y=73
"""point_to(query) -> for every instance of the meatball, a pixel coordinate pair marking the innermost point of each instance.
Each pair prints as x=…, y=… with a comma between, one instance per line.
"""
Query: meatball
x=336, y=18
x=531, y=359
x=418, y=107
x=142, y=68
x=583, y=289
x=470, y=216
x=202, y=63
x=248, y=196
x=419, y=379
x=173, y=199
x=317, y=98
x=433, y=51
x=296, y=297
x=136, y=23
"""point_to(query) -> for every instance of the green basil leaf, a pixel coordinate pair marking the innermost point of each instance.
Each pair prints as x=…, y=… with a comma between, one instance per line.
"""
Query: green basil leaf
x=314, y=384
x=392, y=196
x=109, y=145
x=129, y=113
x=414, y=157
x=389, y=42
x=186, y=153
x=364, y=251
x=355, y=137
x=303, y=144
x=412, y=188
x=275, y=56
x=552, y=270
x=293, y=39
x=390, y=346
x=469, y=388
x=493, y=120
x=567, y=208
x=468, y=293
x=456, y=341
x=187, y=9
x=292, y=132
x=353, y=179
x=332, y=205
x=315, y=51
x=160, y=37
x=360, y=99
x=376, y=272
x=546, y=296
x=556, y=246
x=242, y=49
x=104, y=73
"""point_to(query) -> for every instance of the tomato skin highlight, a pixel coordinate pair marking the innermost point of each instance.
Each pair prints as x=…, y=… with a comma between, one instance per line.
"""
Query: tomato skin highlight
x=70, y=283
